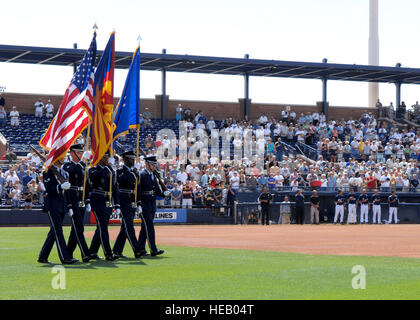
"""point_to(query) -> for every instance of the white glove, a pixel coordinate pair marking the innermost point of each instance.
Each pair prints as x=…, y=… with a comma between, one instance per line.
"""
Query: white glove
x=111, y=161
x=137, y=166
x=65, y=186
x=139, y=209
x=70, y=213
x=167, y=193
x=88, y=209
x=118, y=211
x=86, y=155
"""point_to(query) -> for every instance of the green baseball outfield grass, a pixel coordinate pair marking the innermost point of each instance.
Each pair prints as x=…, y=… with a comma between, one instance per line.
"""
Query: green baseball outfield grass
x=200, y=273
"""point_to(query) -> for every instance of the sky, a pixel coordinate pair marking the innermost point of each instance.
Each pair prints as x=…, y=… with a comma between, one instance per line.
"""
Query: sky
x=298, y=30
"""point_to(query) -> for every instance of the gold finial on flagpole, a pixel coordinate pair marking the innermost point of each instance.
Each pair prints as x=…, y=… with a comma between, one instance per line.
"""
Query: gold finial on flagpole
x=139, y=39
x=95, y=27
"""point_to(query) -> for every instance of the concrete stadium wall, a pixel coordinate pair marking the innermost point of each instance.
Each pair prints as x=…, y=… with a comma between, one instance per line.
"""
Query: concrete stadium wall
x=219, y=109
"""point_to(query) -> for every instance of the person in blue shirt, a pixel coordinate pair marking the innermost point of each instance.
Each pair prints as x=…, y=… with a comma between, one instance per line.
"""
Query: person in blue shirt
x=25, y=180
x=271, y=182
x=176, y=195
x=262, y=180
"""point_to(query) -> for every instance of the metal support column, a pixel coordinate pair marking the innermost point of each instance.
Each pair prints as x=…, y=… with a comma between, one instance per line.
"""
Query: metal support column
x=74, y=65
x=324, y=96
x=163, y=102
x=398, y=97
x=246, y=91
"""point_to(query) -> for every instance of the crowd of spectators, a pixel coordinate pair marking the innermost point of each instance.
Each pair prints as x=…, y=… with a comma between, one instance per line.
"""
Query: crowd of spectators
x=354, y=153
x=21, y=184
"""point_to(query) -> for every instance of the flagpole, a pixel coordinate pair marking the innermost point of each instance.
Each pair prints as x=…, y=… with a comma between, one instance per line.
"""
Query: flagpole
x=138, y=126
x=87, y=147
x=137, y=146
x=111, y=150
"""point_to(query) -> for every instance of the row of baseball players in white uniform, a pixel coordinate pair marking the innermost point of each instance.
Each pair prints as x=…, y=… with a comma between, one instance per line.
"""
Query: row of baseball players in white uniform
x=352, y=200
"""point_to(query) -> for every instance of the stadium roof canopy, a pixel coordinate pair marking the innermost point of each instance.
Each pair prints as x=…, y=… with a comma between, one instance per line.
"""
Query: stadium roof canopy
x=219, y=65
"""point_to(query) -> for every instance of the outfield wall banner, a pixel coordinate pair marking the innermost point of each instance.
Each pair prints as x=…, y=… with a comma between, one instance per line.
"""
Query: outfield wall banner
x=161, y=216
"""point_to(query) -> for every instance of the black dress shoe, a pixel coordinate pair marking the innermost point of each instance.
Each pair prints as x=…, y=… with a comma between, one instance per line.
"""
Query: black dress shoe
x=157, y=253
x=43, y=261
x=70, y=261
x=86, y=259
x=119, y=255
x=141, y=253
x=94, y=256
x=112, y=257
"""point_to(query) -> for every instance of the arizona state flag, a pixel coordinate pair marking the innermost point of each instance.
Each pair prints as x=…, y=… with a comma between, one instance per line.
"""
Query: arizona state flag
x=127, y=115
x=103, y=103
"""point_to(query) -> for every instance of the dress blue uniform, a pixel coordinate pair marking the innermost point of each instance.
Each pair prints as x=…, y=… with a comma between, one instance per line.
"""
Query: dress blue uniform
x=99, y=178
x=56, y=208
x=147, y=191
x=127, y=179
x=74, y=196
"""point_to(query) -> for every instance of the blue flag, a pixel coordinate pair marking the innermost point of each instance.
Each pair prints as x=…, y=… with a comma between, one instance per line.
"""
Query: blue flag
x=127, y=114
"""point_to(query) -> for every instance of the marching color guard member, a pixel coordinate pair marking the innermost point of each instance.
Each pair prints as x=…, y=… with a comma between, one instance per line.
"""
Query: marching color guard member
x=339, y=207
x=376, y=207
x=393, y=202
x=100, y=177
x=352, y=200
x=56, y=209
x=76, y=170
x=148, y=189
x=127, y=177
x=364, y=207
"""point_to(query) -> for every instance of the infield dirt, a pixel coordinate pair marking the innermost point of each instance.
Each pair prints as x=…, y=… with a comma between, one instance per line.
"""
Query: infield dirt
x=355, y=240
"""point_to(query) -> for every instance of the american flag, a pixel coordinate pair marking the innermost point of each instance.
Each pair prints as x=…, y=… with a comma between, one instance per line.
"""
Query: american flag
x=73, y=114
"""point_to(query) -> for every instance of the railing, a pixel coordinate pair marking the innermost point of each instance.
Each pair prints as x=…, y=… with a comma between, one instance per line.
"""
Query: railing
x=118, y=147
x=288, y=149
x=308, y=151
x=259, y=188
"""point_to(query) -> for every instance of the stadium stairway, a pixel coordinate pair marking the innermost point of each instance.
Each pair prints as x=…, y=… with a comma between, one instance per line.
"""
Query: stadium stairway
x=411, y=123
x=399, y=124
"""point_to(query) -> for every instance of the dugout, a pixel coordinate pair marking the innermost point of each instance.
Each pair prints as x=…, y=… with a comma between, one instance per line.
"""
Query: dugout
x=409, y=211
